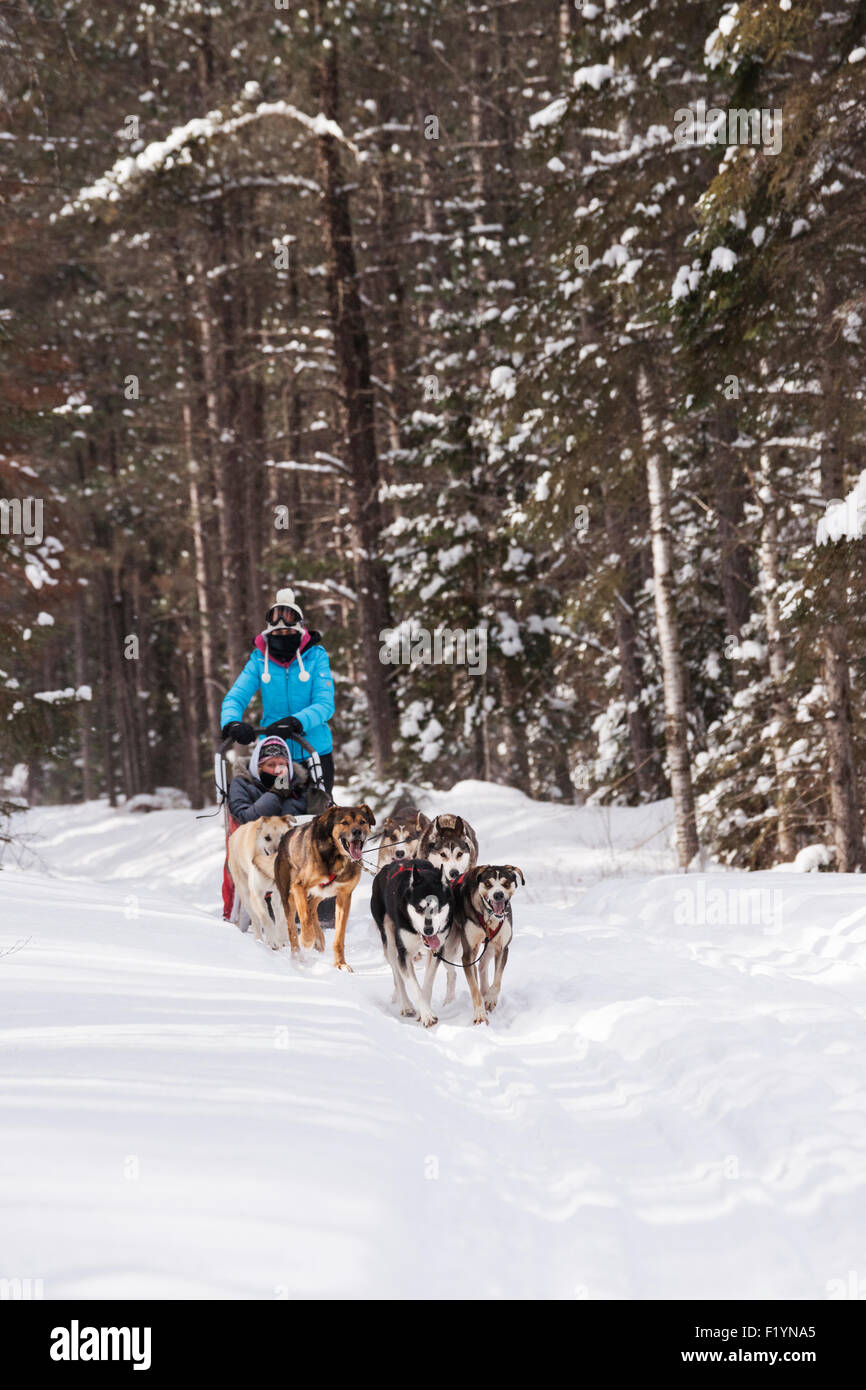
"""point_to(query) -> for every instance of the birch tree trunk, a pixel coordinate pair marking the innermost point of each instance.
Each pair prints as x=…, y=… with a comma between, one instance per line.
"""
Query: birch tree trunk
x=673, y=671
x=201, y=584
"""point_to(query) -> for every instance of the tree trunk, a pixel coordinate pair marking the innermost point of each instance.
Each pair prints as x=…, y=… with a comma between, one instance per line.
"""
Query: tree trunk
x=768, y=556
x=201, y=584
x=220, y=471
x=643, y=752
x=845, y=809
x=673, y=672
x=85, y=706
x=352, y=348
x=730, y=494
x=392, y=287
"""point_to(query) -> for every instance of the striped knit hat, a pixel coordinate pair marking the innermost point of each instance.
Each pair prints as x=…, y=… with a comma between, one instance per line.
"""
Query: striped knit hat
x=271, y=746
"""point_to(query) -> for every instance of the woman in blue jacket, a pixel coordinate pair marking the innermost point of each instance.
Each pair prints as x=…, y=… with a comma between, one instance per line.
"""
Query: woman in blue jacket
x=290, y=667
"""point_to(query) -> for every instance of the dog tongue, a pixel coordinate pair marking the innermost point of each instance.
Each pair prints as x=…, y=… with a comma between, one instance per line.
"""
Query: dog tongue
x=432, y=942
x=354, y=849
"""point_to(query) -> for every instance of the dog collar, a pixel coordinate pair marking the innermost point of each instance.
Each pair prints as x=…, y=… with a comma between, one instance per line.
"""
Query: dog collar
x=327, y=881
x=481, y=922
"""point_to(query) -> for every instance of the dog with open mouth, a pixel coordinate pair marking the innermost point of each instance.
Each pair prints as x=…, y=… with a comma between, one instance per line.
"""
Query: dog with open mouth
x=322, y=859
x=483, y=929
x=413, y=909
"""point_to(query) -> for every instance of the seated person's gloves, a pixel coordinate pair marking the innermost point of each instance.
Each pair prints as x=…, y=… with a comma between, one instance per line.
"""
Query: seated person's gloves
x=293, y=804
x=268, y=804
x=241, y=733
x=288, y=727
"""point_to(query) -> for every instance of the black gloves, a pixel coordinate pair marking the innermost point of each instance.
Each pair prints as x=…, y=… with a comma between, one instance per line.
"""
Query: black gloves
x=241, y=733
x=288, y=727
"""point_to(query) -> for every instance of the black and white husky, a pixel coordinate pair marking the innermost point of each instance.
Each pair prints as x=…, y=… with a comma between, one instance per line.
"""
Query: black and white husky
x=413, y=909
x=451, y=845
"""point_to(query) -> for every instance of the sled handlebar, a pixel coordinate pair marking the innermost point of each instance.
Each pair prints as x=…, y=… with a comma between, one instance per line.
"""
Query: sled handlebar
x=228, y=743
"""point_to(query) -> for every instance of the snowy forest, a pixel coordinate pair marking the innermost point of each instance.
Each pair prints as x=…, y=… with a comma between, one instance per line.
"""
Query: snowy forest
x=530, y=318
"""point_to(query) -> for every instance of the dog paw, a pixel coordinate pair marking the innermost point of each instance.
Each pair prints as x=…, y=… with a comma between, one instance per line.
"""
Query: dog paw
x=427, y=1020
x=480, y=1017
x=490, y=1002
x=342, y=965
x=407, y=1012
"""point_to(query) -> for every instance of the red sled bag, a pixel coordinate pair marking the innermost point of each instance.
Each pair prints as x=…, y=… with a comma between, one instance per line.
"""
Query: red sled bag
x=231, y=901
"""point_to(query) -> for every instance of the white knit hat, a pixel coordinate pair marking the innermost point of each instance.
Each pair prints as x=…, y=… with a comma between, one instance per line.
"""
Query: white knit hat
x=285, y=598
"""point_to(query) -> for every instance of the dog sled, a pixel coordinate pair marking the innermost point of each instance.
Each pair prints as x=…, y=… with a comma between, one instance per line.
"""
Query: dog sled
x=317, y=799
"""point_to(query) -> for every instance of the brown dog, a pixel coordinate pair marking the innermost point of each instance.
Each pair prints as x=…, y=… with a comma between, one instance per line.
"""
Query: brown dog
x=400, y=834
x=322, y=859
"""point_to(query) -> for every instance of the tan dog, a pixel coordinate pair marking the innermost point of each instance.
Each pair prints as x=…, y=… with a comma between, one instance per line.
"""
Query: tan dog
x=322, y=859
x=252, y=855
x=482, y=918
x=400, y=834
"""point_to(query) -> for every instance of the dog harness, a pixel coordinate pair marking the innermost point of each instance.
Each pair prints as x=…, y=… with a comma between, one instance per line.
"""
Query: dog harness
x=407, y=869
x=319, y=885
x=483, y=925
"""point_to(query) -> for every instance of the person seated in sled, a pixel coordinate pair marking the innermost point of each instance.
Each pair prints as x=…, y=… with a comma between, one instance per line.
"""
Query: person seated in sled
x=289, y=667
x=265, y=788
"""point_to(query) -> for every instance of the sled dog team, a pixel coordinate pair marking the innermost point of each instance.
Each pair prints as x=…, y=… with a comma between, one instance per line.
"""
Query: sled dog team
x=431, y=900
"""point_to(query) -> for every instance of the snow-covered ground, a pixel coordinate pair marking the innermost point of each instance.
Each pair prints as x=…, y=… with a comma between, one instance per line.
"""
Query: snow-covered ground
x=670, y=1101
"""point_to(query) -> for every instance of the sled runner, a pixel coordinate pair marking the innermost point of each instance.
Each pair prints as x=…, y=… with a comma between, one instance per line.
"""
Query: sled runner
x=317, y=799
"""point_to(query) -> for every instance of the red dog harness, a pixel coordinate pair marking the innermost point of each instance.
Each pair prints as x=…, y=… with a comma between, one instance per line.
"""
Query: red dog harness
x=483, y=925
x=327, y=880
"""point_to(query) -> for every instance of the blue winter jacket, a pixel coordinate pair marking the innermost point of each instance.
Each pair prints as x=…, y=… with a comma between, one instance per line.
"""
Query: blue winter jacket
x=311, y=701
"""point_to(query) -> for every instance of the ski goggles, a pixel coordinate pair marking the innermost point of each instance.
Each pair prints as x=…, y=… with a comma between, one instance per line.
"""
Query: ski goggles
x=282, y=616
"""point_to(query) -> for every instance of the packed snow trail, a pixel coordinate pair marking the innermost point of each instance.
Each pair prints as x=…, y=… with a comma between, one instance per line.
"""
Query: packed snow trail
x=657, y=1109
